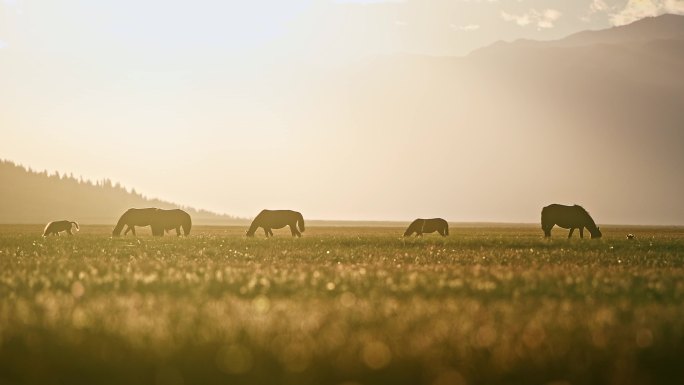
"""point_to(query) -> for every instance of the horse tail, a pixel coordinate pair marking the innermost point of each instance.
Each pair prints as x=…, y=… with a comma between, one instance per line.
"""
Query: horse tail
x=544, y=216
x=300, y=222
x=187, y=224
x=75, y=224
x=446, y=228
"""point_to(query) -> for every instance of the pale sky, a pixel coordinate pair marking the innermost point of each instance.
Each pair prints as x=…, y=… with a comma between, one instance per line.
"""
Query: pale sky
x=221, y=105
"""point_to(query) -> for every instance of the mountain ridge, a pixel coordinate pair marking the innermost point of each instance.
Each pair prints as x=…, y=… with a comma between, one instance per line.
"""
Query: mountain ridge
x=577, y=122
x=666, y=26
x=28, y=196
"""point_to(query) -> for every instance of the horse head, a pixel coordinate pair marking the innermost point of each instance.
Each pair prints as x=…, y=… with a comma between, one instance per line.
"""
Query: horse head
x=117, y=231
x=596, y=233
x=250, y=233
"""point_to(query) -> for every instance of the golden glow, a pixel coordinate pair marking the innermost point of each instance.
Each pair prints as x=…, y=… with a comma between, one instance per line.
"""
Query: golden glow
x=341, y=109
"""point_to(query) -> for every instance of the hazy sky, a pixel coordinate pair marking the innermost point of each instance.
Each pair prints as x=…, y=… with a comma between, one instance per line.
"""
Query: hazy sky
x=206, y=103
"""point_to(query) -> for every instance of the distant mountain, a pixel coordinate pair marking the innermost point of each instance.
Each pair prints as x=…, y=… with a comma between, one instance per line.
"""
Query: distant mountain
x=596, y=118
x=664, y=27
x=28, y=196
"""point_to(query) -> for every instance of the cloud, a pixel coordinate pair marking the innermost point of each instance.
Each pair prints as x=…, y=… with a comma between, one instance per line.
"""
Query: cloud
x=542, y=19
x=466, y=28
x=598, y=6
x=638, y=9
x=521, y=20
x=3, y=44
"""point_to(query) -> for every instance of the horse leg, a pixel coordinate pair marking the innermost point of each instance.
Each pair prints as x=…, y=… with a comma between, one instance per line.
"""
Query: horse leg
x=178, y=231
x=266, y=231
x=69, y=232
x=547, y=231
x=294, y=231
x=571, y=230
x=581, y=232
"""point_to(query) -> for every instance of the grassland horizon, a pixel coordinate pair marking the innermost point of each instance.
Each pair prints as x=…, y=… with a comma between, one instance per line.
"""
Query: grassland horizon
x=342, y=192
x=342, y=305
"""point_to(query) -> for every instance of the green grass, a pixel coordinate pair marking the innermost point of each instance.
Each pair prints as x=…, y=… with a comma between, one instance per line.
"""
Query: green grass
x=342, y=306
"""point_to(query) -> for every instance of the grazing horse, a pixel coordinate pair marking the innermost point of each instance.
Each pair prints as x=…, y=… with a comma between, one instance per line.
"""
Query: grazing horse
x=420, y=226
x=568, y=217
x=56, y=227
x=277, y=219
x=160, y=221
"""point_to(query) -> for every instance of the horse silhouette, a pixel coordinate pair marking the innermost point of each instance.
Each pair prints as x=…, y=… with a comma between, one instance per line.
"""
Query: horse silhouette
x=158, y=219
x=277, y=219
x=568, y=217
x=56, y=227
x=421, y=226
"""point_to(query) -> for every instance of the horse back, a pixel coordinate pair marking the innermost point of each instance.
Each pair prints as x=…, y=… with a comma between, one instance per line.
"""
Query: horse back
x=57, y=226
x=564, y=216
x=140, y=217
x=277, y=218
x=435, y=224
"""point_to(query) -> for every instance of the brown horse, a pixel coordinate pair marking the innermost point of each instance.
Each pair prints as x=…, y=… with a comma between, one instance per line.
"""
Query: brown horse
x=277, y=219
x=421, y=226
x=57, y=227
x=568, y=217
x=160, y=221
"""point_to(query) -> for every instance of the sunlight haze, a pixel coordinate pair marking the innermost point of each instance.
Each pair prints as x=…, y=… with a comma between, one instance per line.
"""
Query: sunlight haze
x=352, y=110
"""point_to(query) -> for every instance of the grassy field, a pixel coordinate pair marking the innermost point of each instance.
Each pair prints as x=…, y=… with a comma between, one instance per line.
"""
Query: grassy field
x=342, y=306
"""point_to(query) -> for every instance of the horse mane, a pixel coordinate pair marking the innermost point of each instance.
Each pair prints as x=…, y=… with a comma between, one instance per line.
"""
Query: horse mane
x=586, y=213
x=582, y=209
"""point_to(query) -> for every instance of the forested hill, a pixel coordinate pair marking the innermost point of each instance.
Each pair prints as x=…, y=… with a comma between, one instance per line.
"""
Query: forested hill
x=28, y=196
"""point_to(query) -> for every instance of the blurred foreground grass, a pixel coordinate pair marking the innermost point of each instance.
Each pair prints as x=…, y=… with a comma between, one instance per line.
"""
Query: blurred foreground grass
x=342, y=306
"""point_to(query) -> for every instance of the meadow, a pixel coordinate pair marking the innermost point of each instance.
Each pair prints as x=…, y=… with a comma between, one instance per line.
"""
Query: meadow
x=342, y=305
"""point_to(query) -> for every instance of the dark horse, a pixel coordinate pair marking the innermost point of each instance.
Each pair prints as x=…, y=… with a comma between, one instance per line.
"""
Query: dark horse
x=420, y=226
x=568, y=217
x=160, y=221
x=58, y=226
x=277, y=219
